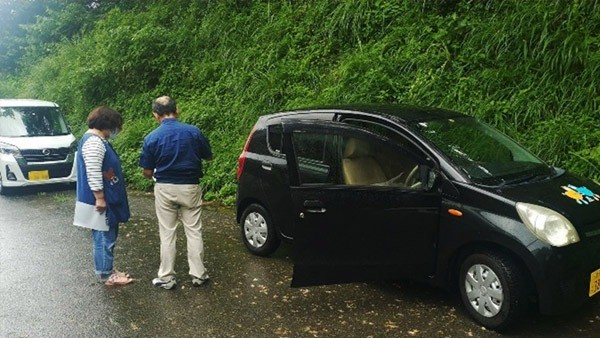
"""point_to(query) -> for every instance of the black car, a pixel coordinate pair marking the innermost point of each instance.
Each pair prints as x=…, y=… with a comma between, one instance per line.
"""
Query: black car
x=394, y=191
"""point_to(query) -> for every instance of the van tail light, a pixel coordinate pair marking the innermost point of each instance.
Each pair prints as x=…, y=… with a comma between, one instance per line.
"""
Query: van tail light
x=242, y=158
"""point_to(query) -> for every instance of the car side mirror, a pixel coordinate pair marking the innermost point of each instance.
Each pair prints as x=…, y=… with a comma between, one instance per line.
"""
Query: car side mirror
x=433, y=179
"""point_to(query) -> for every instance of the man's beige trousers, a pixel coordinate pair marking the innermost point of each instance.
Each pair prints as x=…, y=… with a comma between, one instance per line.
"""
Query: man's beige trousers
x=183, y=202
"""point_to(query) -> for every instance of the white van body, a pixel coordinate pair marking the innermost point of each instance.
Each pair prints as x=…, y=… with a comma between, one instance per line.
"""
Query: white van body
x=36, y=144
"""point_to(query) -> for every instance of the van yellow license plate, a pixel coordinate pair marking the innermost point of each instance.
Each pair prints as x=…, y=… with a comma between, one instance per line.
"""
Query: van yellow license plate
x=595, y=282
x=39, y=175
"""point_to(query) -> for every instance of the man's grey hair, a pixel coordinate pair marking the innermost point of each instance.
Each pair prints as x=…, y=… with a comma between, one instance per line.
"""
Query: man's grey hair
x=164, y=105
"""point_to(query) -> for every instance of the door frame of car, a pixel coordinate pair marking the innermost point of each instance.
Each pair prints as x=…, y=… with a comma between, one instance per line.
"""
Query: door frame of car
x=346, y=233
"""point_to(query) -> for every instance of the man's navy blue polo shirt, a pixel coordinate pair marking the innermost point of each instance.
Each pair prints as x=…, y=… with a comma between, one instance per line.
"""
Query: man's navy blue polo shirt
x=176, y=151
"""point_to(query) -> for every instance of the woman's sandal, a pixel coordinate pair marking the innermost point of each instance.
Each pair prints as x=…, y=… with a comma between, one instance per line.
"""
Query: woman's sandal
x=118, y=278
x=122, y=274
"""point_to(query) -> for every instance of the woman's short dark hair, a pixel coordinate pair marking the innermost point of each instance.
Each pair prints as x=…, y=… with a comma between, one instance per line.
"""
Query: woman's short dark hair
x=164, y=105
x=104, y=118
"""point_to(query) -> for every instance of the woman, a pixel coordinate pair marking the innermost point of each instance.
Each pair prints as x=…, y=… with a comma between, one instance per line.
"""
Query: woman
x=101, y=188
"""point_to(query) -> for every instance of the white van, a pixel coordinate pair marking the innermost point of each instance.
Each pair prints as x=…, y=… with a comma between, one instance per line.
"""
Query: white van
x=36, y=145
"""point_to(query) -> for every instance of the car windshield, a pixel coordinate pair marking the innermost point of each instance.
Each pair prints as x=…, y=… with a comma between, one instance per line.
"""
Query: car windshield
x=487, y=156
x=32, y=121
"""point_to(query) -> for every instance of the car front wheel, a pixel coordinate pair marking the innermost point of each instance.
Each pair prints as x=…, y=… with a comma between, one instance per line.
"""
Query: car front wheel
x=258, y=232
x=493, y=289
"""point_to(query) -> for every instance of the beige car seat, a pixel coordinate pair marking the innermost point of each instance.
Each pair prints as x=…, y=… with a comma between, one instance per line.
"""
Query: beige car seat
x=359, y=164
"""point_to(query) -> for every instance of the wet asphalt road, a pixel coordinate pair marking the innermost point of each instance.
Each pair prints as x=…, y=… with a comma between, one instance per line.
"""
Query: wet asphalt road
x=48, y=289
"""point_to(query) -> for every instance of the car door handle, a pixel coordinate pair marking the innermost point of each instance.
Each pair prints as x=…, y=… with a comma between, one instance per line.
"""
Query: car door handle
x=266, y=165
x=314, y=206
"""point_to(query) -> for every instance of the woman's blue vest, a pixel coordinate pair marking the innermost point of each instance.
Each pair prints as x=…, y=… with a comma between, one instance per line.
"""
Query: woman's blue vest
x=113, y=180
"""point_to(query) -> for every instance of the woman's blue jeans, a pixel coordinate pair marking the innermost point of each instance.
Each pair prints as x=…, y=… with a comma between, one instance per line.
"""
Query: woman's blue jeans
x=104, y=245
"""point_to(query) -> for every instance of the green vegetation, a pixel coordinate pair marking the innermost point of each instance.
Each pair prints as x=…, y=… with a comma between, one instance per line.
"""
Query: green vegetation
x=60, y=198
x=529, y=68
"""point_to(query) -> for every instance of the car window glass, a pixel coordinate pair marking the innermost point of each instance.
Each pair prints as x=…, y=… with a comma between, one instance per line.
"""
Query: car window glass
x=275, y=138
x=316, y=157
x=378, y=162
x=32, y=121
x=483, y=153
x=363, y=160
x=380, y=129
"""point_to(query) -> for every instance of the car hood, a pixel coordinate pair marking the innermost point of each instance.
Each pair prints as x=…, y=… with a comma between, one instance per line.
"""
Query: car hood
x=40, y=142
x=576, y=198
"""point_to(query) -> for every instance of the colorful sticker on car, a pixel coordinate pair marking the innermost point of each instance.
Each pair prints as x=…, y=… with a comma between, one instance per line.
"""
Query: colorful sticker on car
x=582, y=195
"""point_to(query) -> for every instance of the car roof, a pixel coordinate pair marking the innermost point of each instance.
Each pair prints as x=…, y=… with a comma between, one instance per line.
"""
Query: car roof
x=399, y=112
x=26, y=103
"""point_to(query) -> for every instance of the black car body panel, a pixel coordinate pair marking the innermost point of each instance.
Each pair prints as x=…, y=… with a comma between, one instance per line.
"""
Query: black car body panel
x=550, y=193
x=374, y=242
x=344, y=232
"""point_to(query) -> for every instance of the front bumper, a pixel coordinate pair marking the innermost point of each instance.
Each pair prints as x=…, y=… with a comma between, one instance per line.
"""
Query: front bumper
x=15, y=172
x=563, y=282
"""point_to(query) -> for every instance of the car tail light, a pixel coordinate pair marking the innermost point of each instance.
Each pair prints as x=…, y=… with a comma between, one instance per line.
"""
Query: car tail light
x=242, y=158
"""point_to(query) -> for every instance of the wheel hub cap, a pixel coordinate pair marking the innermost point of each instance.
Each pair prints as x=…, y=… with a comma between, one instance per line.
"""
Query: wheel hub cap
x=484, y=290
x=255, y=229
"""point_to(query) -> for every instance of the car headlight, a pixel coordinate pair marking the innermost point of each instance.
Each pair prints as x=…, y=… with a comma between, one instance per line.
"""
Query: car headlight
x=548, y=225
x=9, y=149
x=73, y=147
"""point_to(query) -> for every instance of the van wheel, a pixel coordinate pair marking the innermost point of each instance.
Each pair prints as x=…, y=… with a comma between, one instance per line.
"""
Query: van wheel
x=493, y=289
x=258, y=232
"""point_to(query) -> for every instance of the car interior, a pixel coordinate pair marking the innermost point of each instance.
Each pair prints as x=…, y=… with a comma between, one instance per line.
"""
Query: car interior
x=359, y=165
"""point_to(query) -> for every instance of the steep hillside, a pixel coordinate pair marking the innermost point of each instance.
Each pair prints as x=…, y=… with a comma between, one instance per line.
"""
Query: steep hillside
x=529, y=68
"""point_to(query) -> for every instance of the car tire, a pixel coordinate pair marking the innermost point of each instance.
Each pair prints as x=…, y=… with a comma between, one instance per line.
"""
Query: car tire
x=493, y=289
x=258, y=231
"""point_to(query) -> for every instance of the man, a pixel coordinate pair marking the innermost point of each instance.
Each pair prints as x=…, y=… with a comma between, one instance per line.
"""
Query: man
x=172, y=154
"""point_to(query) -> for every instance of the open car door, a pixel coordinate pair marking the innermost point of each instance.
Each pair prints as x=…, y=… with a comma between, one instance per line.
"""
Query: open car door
x=361, y=210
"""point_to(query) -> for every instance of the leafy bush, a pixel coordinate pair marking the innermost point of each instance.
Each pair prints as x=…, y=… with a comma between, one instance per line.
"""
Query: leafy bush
x=529, y=68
